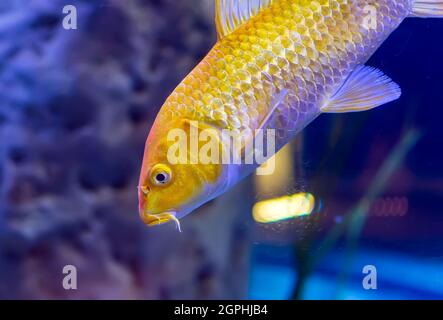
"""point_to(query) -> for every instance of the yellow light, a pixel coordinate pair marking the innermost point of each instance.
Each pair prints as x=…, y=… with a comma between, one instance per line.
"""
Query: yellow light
x=281, y=179
x=283, y=208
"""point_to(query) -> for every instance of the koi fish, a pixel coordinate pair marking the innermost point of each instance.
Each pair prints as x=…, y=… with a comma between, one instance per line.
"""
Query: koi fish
x=277, y=64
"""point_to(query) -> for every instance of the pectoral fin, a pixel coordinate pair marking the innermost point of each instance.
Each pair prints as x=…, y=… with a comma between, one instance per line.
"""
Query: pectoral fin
x=366, y=88
x=230, y=14
x=278, y=98
x=275, y=103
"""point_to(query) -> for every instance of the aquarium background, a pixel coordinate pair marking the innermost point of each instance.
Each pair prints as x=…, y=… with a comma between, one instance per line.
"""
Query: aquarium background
x=75, y=110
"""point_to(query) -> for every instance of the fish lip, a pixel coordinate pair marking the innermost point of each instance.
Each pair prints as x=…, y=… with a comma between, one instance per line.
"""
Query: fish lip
x=157, y=219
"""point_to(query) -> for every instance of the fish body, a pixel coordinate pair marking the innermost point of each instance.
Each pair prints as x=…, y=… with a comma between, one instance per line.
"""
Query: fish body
x=302, y=46
x=309, y=54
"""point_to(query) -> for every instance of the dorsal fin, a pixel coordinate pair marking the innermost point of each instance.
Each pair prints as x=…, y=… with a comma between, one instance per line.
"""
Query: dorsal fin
x=230, y=14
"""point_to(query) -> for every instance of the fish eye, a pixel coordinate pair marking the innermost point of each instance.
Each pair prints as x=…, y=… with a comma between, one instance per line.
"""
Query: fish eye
x=160, y=175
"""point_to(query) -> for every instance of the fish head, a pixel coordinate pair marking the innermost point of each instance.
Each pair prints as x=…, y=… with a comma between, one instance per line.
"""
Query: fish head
x=171, y=185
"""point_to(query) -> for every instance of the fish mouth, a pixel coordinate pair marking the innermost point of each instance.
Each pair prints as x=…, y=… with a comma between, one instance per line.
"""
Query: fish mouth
x=161, y=218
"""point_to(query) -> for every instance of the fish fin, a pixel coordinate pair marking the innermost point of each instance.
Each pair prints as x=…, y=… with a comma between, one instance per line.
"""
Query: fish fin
x=427, y=8
x=276, y=101
x=231, y=14
x=366, y=88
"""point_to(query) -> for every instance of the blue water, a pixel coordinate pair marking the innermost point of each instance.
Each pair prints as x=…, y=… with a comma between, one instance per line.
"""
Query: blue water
x=399, y=276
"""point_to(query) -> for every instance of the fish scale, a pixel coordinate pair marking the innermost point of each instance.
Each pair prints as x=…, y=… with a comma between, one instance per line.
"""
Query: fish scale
x=306, y=47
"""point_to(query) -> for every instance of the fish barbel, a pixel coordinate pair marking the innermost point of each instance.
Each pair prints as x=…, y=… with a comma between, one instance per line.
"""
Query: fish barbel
x=278, y=64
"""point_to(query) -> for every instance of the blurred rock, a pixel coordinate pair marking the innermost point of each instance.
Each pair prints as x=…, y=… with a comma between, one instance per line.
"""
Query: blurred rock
x=75, y=110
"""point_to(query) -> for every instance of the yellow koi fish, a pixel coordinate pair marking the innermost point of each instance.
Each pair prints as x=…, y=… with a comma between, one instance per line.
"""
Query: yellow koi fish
x=278, y=64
